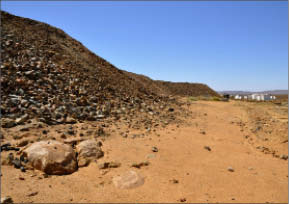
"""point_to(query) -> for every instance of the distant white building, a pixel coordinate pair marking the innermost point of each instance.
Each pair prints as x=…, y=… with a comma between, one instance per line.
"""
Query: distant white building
x=262, y=97
x=272, y=97
x=256, y=97
x=238, y=97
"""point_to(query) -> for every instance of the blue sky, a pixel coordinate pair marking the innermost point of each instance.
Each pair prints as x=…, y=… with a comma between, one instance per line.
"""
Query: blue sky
x=227, y=45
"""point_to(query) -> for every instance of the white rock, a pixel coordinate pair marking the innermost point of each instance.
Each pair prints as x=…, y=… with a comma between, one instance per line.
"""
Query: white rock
x=127, y=180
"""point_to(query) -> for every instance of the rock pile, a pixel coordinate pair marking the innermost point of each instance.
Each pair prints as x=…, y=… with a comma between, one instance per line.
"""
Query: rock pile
x=45, y=74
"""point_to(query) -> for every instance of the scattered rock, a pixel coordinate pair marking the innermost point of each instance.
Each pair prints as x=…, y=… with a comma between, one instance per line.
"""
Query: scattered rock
x=70, y=120
x=51, y=157
x=231, y=169
x=174, y=181
x=8, y=147
x=141, y=164
x=128, y=180
x=17, y=163
x=21, y=178
x=7, y=123
x=171, y=109
x=23, y=143
x=106, y=165
x=22, y=168
x=22, y=119
x=207, y=148
x=285, y=157
x=6, y=199
x=32, y=194
x=88, y=150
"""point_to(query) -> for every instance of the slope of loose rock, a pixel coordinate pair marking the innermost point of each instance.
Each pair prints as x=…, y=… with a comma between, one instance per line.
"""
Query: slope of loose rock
x=48, y=75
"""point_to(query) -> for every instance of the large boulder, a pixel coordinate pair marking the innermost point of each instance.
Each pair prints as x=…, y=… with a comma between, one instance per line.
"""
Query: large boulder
x=88, y=150
x=51, y=157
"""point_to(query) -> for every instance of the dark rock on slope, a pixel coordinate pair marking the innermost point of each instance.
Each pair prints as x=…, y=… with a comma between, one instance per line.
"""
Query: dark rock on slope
x=48, y=75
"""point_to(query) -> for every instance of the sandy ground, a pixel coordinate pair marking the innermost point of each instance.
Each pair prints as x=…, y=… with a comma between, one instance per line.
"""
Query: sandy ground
x=228, y=128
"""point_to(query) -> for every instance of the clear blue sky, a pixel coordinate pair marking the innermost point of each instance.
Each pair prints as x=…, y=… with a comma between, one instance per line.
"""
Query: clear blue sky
x=227, y=45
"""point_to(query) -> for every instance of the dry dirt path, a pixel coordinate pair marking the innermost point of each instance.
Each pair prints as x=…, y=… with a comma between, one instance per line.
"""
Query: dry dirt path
x=202, y=175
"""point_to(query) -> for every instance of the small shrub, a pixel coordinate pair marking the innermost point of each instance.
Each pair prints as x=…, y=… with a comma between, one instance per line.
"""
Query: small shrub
x=191, y=98
x=214, y=98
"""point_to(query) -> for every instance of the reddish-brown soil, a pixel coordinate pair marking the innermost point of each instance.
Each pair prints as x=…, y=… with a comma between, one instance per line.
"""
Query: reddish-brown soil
x=228, y=128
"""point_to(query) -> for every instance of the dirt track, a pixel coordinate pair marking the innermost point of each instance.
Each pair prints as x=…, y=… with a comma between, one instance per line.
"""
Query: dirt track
x=202, y=175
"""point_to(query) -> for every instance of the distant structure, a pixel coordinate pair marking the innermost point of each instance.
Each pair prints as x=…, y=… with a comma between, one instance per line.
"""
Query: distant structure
x=238, y=97
x=255, y=96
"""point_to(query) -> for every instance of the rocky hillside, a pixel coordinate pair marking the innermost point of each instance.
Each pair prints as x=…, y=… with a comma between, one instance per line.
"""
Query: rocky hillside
x=174, y=88
x=49, y=75
x=186, y=89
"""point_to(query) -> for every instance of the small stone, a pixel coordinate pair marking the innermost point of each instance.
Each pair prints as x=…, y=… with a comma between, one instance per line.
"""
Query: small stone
x=207, y=148
x=23, y=143
x=63, y=136
x=6, y=199
x=155, y=149
x=7, y=123
x=22, y=169
x=17, y=163
x=285, y=157
x=171, y=109
x=106, y=165
x=32, y=194
x=231, y=169
x=99, y=144
x=21, y=178
x=174, y=181
x=141, y=164
x=22, y=119
x=70, y=120
x=183, y=200
x=114, y=164
x=70, y=132
x=203, y=132
x=103, y=165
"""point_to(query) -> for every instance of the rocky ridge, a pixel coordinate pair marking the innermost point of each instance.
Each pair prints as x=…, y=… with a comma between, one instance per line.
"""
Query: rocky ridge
x=46, y=74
